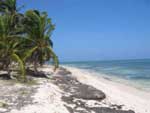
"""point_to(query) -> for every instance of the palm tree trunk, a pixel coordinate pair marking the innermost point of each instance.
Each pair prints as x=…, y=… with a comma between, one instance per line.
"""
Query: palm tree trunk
x=35, y=65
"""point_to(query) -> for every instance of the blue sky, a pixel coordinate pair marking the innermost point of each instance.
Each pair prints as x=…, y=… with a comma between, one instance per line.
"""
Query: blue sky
x=98, y=29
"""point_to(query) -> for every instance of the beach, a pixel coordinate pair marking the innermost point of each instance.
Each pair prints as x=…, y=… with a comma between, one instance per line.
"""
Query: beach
x=74, y=56
x=71, y=90
x=117, y=93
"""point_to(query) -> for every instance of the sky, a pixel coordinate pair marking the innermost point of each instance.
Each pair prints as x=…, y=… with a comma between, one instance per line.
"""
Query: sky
x=97, y=29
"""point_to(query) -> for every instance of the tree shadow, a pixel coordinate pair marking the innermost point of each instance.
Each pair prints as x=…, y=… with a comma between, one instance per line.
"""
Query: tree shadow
x=5, y=76
x=39, y=74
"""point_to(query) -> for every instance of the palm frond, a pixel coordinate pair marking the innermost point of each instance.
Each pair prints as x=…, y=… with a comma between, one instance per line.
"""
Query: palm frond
x=16, y=58
x=55, y=58
x=28, y=53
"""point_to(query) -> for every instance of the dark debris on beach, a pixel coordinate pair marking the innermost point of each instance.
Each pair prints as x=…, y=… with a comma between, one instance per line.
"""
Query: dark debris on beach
x=76, y=95
x=79, y=94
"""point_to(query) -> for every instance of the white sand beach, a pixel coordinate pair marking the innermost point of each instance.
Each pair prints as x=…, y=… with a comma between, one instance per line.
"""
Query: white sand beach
x=116, y=93
x=74, y=56
x=48, y=98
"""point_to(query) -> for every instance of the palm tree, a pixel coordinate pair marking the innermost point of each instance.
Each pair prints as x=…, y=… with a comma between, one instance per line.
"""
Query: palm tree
x=24, y=38
x=9, y=46
x=39, y=28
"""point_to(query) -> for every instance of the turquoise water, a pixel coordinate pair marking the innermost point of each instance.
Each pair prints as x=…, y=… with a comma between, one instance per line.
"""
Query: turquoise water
x=137, y=72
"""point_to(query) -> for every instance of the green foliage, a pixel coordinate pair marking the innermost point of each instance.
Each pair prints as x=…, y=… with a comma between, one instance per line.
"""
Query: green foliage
x=39, y=29
x=16, y=58
x=24, y=38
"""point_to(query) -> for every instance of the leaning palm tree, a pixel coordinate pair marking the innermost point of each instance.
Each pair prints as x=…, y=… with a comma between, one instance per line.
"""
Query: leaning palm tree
x=9, y=46
x=39, y=28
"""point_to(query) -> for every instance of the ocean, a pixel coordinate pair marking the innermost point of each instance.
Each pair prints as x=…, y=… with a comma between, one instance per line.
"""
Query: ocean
x=135, y=73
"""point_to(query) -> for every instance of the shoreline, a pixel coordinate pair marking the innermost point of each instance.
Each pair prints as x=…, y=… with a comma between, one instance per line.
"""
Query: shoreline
x=71, y=90
x=117, y=93
x=117, y=79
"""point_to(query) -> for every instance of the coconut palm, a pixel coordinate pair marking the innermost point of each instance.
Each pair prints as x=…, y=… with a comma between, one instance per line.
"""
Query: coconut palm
x=9, y=46
x=39, y=28
x=24, y=38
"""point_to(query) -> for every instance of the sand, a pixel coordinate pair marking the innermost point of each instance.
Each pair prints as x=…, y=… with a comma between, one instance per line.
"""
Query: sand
x=48, y=99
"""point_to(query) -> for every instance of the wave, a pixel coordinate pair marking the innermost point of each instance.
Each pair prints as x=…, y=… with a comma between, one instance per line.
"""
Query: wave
x=127, y=77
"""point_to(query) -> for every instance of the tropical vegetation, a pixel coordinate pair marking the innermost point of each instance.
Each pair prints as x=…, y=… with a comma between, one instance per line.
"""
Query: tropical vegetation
x=25, y=39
